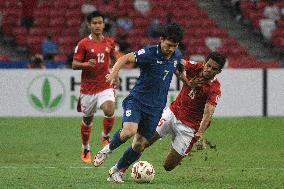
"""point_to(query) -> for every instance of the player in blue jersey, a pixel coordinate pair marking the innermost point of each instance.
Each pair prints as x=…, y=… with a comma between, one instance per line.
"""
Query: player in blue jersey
x=144, y=105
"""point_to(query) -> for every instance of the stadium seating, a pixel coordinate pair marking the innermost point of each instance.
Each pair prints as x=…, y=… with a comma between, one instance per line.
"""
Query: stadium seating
x=254, y=13
x=65, y=25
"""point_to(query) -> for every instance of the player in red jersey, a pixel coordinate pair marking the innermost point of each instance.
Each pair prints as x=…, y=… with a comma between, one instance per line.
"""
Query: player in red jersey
x=93, y=56
x=187, y=118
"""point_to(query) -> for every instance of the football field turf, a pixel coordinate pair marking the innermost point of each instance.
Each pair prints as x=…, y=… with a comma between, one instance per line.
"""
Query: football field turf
x=45, y=153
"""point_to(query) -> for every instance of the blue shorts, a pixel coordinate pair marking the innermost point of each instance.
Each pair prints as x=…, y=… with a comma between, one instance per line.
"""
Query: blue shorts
x=134, y=112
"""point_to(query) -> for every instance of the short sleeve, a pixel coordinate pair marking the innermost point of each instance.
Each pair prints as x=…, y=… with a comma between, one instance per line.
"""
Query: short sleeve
x=112, y=48
x=214, y=94
x=79, y=52
x=142, y=56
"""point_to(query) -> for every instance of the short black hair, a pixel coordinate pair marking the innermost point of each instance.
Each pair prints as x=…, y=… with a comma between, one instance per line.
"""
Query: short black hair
x=218, y=58
x=173, y=32
x=93, y=15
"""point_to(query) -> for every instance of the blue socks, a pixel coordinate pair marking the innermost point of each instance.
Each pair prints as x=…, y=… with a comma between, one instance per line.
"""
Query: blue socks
x=116, y=141
x=129, y=157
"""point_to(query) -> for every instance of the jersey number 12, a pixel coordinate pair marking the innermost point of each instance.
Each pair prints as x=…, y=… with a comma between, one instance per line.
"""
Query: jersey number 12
x=101, y=57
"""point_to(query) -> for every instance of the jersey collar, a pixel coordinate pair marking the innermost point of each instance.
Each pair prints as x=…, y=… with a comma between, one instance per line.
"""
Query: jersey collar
x=91, y=38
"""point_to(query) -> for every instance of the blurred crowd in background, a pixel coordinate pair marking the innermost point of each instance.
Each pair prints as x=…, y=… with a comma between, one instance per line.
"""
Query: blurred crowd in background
x=43, y=33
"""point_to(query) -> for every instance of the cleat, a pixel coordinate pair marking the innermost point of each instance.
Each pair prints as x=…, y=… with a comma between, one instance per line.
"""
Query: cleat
x=86, y=156
x=101, y=156
x=115, y=175
x=105, y=140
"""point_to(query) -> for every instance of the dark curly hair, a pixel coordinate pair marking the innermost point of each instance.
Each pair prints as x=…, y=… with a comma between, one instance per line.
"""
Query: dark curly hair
x=94, y=15
x=173, y=32
x=218, y=58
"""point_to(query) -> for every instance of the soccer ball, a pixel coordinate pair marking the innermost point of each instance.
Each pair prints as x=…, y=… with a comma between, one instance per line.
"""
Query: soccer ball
x=142, y=172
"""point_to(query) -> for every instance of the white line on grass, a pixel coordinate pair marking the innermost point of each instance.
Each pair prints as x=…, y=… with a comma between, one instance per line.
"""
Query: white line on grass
x=92, y=167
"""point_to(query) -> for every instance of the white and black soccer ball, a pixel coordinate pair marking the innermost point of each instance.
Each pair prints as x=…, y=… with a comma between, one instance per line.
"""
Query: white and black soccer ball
x=142, y=172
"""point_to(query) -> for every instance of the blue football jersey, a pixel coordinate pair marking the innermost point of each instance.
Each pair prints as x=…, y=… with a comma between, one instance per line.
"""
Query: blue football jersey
x=152, y=86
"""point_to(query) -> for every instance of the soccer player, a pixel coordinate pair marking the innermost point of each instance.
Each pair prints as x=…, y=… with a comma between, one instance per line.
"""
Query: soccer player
x=93, y=56
x=188, y=117
x=144, y=105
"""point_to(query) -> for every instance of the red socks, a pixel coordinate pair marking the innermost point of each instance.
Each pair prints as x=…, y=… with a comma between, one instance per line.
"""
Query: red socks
x=85, y=133
x=108, y=123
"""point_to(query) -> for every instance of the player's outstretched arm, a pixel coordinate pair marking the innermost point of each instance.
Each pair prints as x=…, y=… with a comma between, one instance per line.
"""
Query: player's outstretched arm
x=126, y=59
x=182, y=77
x=180, y=72
x=76, y=65
x=208, y=112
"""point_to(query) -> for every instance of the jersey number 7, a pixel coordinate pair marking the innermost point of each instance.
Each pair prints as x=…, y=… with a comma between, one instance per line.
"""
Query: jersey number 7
x=166, y=73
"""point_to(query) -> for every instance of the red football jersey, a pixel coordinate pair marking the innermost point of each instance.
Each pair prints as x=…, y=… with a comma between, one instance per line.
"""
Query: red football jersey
x=94, y=81
x=189, y=104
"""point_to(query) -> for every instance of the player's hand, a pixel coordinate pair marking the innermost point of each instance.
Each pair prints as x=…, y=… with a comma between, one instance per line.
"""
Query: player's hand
x=111, y=78
x=116, y=83
x=92, y=62
x=198, y=136
x=195, y=82
x=200, y=142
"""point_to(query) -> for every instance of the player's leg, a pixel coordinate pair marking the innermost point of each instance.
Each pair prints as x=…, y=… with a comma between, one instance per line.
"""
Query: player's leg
x=172, y=160
x=131, y=117
x=132, y=153
x=145, y=132
x=108, y=121
x=121, y=136
x=182, y=142
x=106, y=102
x=87, y=105
x=86, y=129
x=129, y=156
x=163, y=127
x=153, y=139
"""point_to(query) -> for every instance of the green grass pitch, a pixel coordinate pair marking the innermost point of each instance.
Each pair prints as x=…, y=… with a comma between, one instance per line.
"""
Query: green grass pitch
x=45, y=153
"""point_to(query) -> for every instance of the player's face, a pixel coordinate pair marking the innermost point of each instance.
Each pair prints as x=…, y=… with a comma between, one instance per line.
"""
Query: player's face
x=168, y=47
x=211, y=68
x=97, y=25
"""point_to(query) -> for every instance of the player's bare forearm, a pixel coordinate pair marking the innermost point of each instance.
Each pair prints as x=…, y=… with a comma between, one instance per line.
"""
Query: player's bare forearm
x=76, y=65
x=113, y=59
x=182, y=77
x=207, y=115
x=112, y=77
x=126, y=59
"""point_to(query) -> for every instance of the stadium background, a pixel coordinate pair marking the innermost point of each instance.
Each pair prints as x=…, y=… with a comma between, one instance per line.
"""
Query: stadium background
x=41, y=151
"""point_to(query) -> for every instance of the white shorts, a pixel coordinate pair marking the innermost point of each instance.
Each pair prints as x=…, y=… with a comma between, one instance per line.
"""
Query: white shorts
x=182, y=135
x=90, y=102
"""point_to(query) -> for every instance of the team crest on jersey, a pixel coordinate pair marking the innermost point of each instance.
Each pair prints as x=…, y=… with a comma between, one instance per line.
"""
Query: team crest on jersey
x=128, y=113
x=107, y=49
x=92, y=50
x=175, y=63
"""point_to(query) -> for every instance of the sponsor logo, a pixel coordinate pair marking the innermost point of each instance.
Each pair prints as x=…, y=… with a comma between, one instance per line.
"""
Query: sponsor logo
x=46, y=93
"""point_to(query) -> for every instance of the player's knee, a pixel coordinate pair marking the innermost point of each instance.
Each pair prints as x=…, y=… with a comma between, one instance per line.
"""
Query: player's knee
x=127, y=133
x=138, y=147
x=88, y=120
x=109, y=112
x=108, y=109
